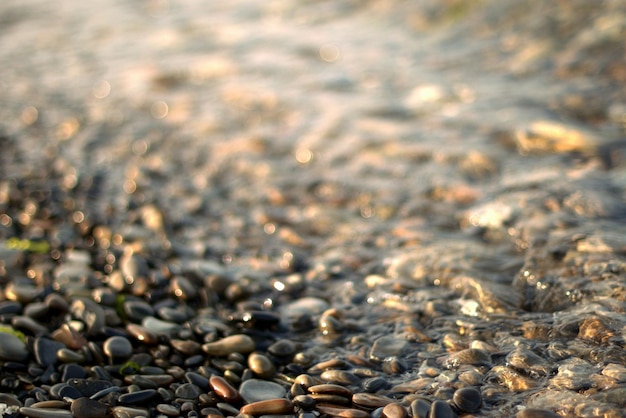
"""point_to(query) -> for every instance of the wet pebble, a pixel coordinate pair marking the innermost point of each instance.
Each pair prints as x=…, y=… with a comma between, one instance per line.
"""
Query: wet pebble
x=141, y=334
x=137, y=310
x=341, y=377
x=282, y=348
x=370, y=401
x=89, y=408
x=240, y=343
x=304, y=402
x=467, y=399
x=159, y=327
x=12, y=348
x=69, y=337
x=169, y=410
x=45, y=412
x=441, y=409
x=226, y=391
x=536, y=413
x=254, y=390
x=332, y=411
x=473, y=356
x=117, y=347
x=28, y=325
x=394, y=410
x=138, y=397
x=129, y=412
x=268, y=407
x=188, y=391
x=387, y=346
x=261, y=365
x=420, y=408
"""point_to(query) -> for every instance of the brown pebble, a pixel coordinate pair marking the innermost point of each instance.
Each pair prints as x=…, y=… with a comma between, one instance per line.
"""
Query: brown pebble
x=339, y=377
x=239, y=343
x=536, y=413
x=304, y=380
x=330, y=399
x=332, y=411
x=269, y=407
x=223, y=389
x=331, y=389
x=328, y=364
x=394, y=410
x=369, y=400
x=261, y=365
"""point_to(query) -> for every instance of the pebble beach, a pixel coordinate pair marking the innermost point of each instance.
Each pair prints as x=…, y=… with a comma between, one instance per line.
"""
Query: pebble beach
x=312, y=209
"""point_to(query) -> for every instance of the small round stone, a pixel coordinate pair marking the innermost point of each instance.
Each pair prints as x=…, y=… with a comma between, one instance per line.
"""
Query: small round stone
x=117, y=347
x=467, y=399
x=254, y=390
x=394, y=410
x=282, y=348
x=261, y=365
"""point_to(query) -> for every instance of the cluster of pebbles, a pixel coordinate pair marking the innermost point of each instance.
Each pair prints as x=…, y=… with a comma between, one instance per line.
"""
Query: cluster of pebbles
x=312, y=209
x=100, y=324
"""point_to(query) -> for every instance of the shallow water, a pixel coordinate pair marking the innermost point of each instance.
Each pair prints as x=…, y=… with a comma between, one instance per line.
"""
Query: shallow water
x=429, y=169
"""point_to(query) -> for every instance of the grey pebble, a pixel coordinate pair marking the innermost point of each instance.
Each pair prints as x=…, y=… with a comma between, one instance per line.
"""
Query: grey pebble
x=188, y=391
x=89, y=408
x=46, y=351
x=441, y=409
x=169, y=410
x=387, y=346
x=159, y=327
x=138, y=397
x=117, y=347
x=254, y=390
x=12, y=348
x=137, y=310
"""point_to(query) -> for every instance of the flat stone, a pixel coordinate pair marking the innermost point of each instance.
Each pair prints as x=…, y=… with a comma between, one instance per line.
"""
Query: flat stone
x=137, y=397
x=384, y=347
x=45, y=412
x=159, y=327
x=89, y=408
x=254, y=390
x=268, y=407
